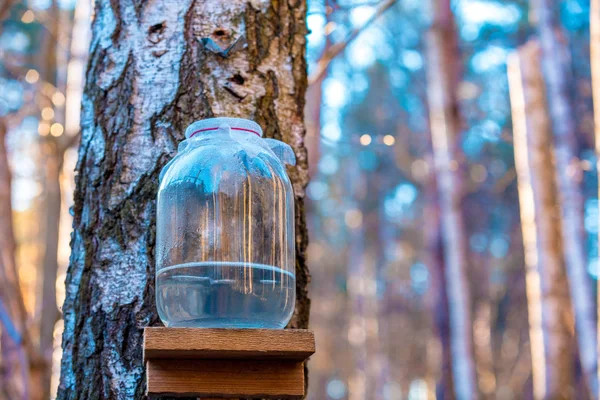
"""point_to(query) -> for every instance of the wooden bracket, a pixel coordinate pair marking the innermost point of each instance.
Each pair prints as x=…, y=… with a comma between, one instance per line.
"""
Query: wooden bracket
x=227, y=363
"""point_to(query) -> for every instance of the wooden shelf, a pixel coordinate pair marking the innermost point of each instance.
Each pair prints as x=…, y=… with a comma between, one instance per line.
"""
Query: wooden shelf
x=227, y=363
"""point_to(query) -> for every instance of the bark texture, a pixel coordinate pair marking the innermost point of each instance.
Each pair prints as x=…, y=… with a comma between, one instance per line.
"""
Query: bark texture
x=445, y=124
x=154, y=68
x=547, y=289
x=556, y=68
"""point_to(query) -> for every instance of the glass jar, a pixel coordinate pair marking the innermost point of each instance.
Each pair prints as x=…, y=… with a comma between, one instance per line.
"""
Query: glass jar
x=225, y=243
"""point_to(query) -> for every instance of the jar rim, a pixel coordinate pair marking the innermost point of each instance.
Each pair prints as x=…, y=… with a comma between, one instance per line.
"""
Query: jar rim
x=212, y=124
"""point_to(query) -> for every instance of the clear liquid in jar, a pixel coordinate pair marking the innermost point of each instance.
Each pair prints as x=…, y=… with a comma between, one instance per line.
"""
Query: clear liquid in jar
x=225, y=295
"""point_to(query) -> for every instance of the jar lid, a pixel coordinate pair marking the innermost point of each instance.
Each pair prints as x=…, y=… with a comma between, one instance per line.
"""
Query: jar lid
x=212, y=124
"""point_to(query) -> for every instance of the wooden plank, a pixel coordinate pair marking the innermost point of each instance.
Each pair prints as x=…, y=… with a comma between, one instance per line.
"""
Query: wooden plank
x=270, y=379
x=198, y=343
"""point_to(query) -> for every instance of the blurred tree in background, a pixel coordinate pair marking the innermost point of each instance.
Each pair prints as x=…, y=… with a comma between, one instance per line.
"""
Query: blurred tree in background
x=453, y=217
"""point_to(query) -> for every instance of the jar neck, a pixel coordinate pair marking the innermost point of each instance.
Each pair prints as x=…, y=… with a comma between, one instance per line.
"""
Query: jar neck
x=216, y=128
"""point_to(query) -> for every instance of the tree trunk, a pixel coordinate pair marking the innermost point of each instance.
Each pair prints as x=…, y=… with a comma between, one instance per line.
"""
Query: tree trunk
x=312, y=112
x=438, y=298
x=595, y=67
x=154, y=68
x=49, y=311
x=442, y=77
x=556, y=71
x=357, y=327
x=547, y=289
x=14, y=363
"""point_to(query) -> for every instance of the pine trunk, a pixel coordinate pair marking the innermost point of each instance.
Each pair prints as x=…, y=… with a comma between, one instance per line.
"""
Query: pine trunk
x=556, y=71
x=445, y=124
x=154, y=68
x=547, y=289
